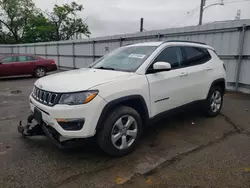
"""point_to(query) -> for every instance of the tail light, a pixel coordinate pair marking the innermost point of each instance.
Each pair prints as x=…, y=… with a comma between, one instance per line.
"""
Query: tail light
x=53, y=62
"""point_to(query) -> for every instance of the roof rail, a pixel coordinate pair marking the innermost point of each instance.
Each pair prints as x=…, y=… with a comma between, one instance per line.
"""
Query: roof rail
x=185, y=41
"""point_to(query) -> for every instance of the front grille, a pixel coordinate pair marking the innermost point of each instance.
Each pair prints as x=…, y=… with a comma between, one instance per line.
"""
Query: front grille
x=45, y=97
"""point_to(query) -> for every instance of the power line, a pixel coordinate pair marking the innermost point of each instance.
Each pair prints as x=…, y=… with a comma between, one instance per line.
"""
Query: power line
x=240, y=1
x=212, y=1
x=203, y=7
x=195, y=10
x=227, y=1
x=222, y=2
x=189, y=14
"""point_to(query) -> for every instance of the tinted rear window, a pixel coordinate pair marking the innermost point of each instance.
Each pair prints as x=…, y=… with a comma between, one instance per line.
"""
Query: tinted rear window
x=195, y=56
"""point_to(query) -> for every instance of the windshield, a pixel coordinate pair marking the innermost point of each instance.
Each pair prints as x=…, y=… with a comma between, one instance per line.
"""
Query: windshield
x=125, y=59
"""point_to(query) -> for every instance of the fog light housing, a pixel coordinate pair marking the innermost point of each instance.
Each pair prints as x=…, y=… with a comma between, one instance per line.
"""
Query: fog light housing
x=71, y=124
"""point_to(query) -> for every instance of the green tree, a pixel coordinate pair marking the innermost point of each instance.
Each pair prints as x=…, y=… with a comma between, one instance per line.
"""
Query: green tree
x=66, y=22
x=38, y=29
x=14, y=16
x=22, y=22
x=60, y=24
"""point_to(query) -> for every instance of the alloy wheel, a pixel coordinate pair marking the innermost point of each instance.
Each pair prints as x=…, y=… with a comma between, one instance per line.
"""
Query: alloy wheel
x=124, y=132
x=40, y=72
x=216, y=101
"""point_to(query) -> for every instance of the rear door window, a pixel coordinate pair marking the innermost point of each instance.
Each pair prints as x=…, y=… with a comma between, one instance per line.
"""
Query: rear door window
x=195, y=56
x=32, y=58
x=22, y=58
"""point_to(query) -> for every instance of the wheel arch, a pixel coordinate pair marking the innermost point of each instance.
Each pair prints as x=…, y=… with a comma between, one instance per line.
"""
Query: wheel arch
x=40, y=66
x=221, y=82
x=136, y=102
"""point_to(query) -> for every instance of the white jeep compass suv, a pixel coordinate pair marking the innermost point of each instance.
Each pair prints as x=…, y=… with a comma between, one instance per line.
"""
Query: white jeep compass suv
x=115, y=97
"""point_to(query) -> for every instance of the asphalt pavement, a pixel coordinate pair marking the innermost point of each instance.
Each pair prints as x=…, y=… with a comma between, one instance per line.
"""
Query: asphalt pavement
x=187, y=150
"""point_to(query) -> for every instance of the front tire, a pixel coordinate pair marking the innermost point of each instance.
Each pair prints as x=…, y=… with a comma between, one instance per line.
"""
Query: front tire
x=40, y=72
x=121, y=131
x=214, y=102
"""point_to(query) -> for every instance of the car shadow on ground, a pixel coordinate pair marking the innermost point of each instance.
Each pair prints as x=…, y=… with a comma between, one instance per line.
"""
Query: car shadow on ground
x=26, y=77
x=169, y=122
x=16, y=78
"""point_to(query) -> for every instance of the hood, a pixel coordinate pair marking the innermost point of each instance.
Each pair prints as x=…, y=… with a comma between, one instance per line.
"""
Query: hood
x=79, y=80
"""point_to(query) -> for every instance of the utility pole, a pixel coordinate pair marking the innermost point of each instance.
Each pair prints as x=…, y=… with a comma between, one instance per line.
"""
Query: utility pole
x=201, y=11
x=141, y=25
x=202, y=8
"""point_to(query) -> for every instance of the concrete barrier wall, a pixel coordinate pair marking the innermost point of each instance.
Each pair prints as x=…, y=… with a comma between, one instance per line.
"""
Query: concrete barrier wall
x=231, y=40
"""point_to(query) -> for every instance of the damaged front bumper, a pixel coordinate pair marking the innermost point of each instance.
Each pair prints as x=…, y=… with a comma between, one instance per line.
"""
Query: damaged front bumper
x=30, y=129
x=38, y=128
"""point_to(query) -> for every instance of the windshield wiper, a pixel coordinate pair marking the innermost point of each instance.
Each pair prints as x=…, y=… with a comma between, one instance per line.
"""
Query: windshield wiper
x=105, y=68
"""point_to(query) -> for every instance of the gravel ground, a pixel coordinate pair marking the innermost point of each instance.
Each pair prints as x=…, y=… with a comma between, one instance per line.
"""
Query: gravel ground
x=187, y=150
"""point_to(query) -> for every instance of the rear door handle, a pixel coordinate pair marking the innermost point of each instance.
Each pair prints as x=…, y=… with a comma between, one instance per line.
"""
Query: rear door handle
x=209, y=68
x=183, y=74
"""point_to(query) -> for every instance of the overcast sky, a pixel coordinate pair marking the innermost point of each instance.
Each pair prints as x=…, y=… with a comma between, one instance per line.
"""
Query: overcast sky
x=108, y=17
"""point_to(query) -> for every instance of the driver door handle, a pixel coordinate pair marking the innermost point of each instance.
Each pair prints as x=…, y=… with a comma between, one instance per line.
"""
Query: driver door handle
x=183, y=74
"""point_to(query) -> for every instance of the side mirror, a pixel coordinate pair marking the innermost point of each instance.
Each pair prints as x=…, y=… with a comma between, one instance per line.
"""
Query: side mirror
x=162, y=66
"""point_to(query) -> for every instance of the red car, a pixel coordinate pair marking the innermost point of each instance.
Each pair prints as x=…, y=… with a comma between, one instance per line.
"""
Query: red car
x=25, y=64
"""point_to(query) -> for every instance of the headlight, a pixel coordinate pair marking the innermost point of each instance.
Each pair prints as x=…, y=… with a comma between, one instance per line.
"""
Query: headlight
x=78, y=98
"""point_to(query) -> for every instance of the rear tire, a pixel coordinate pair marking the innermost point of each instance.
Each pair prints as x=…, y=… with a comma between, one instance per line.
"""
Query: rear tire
x=214, y=102
x=121, y=131
x=40, y=72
